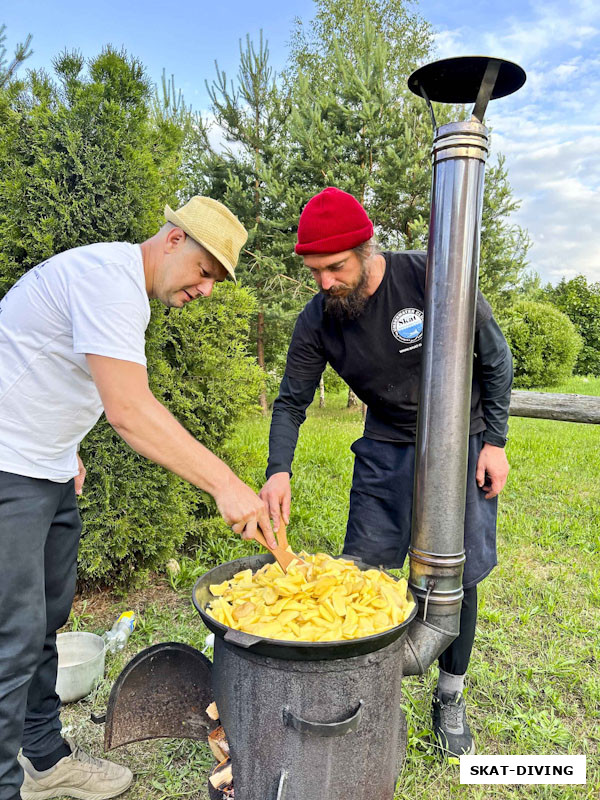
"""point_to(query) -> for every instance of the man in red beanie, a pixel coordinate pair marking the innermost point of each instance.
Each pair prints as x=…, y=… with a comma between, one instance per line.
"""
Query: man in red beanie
x=367, y=322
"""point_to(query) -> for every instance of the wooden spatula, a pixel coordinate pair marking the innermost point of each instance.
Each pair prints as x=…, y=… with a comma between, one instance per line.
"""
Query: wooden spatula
x=284, y=557
x=282, y=534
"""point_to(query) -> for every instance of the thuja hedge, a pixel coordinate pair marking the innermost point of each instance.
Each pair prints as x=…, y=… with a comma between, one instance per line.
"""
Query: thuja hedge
x=82, y=159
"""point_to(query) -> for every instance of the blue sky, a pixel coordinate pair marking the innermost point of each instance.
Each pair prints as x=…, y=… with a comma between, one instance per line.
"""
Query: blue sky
x=549, y=131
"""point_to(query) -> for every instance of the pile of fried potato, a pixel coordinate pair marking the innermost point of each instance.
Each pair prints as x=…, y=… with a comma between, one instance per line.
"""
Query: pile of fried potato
x=326, y=599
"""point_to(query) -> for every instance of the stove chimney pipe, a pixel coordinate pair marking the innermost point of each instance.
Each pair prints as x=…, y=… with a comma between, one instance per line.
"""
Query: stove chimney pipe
x=460, y=151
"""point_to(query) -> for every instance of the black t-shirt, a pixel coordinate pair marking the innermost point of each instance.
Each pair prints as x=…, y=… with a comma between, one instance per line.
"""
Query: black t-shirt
x=379, y=354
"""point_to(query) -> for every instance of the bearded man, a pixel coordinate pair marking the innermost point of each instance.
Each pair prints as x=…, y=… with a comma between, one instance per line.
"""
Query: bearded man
x=367, y=322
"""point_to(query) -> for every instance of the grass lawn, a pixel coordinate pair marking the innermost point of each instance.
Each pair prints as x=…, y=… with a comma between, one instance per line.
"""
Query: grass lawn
x=534, y=683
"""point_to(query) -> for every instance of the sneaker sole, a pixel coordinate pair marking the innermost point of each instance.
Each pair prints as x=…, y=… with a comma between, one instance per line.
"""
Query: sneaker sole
x=470, y=752
x=447, y=754
x=79, y=794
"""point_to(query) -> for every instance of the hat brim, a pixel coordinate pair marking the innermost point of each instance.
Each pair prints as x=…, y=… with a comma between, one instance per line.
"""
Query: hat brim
x=172, y=216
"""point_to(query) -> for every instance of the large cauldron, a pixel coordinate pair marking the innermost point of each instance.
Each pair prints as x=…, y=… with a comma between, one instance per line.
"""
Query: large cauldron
x=309, y=719
x=292, y=651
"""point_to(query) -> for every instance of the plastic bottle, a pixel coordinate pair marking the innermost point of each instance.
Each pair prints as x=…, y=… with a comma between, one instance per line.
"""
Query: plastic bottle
x=116, y=638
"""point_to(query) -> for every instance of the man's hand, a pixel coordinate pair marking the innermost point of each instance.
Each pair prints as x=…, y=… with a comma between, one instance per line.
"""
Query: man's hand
x=241, y=508
x=492, y=470
x=277, y=495
x=80, y=477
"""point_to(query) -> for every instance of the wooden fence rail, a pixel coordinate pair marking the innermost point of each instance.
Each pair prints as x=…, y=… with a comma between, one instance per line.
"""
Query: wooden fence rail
x=563, y=407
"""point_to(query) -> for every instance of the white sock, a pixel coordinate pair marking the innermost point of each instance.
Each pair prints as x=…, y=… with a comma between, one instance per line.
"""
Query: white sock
x=449, y=683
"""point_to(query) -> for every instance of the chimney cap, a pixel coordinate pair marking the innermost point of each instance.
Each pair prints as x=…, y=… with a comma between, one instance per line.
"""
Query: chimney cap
x=459, y=80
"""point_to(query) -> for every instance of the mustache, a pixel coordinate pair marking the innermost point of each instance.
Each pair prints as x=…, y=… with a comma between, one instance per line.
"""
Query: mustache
x=335, y=291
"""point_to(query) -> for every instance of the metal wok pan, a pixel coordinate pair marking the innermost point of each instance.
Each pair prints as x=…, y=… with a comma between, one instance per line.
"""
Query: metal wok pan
x=277, y=648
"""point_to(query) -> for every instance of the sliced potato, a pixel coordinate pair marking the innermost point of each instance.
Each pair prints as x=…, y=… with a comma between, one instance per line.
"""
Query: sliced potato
x=323, y=600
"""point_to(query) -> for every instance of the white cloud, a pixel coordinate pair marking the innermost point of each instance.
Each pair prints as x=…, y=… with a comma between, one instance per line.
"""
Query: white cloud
x=559, y=186
x=552, y=26
x=448, y=43
x=564, y=72
x=549, y=131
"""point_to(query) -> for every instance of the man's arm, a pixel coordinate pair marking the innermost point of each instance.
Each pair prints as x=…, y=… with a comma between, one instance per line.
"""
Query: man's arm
x=151, y=430
x=496, y=373
x=289, y=412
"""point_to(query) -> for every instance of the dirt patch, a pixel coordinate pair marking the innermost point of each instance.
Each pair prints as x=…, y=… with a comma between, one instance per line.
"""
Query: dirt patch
x=103, y=605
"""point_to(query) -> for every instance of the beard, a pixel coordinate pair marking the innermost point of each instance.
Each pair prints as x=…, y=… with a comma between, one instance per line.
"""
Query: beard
x=345, y=302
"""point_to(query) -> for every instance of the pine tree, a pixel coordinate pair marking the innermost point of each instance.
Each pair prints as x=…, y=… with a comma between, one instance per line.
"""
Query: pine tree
x=249, y=173
x=8, y=69
x=341, y=23
x=358, y=127
x=504, y=245
x=356, y=124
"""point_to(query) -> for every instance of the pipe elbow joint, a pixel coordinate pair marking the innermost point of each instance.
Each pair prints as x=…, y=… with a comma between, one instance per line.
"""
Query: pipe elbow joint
x=427, y=639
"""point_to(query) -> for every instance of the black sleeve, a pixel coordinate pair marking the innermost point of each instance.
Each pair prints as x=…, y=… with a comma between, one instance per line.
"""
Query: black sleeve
x=494, y=363
x=289, y=412
x=306, y=356
x=483, y=312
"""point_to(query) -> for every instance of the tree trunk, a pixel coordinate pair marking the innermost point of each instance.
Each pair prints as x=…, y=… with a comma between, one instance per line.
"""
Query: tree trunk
x=260, y=353
x=352, y=399
x=321, y=393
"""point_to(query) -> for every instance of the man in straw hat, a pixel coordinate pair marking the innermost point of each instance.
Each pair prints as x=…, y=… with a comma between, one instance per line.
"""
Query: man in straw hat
x=71, y=346
x=367, y=322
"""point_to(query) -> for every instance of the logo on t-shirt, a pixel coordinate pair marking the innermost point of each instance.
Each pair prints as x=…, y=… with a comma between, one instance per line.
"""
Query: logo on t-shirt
x=407, y=325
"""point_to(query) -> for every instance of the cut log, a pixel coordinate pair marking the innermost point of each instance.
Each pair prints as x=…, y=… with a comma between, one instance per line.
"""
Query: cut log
x=218, y=744
x=222, y=775
x=213, y=712
x=563, y=407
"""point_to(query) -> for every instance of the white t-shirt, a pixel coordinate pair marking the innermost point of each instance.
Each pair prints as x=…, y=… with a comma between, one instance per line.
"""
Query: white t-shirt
x=86, y=300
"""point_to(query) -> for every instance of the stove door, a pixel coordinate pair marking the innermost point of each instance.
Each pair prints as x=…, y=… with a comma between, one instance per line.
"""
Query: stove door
x=163, y=691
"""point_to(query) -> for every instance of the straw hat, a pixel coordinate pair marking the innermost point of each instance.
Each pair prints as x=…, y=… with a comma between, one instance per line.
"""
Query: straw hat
x=213, y=226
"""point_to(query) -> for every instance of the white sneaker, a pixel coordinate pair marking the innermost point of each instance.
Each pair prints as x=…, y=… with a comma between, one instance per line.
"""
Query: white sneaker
x=79, y=775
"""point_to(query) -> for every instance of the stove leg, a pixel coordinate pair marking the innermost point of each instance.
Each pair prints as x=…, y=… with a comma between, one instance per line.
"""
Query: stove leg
x=282, y=790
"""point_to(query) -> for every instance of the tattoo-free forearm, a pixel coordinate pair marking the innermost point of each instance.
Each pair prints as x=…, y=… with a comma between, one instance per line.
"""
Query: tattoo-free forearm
x=152, y=431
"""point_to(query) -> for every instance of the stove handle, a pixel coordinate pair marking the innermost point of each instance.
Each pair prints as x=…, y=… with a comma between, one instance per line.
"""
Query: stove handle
x=241, y=639
x=323, y=729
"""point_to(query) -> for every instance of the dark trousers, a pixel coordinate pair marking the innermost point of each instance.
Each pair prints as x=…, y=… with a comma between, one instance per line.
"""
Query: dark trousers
x=379, y=525
x=455, y=658
x=39, y=537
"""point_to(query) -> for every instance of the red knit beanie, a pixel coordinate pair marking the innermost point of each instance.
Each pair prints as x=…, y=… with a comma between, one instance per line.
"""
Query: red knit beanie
x=332, y=221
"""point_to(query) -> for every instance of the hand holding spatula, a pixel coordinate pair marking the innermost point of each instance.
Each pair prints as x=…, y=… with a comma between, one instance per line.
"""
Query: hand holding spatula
x=283, y=556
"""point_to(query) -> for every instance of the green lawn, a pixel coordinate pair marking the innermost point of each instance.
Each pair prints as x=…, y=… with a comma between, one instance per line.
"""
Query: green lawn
x=534, y=683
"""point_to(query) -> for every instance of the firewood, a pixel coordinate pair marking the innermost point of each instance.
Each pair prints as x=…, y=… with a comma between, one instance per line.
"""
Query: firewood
x=222, y=775
x=212, y=711
x=218, y=743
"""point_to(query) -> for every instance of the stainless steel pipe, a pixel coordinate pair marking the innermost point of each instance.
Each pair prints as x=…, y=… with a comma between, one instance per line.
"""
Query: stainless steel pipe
x=436, y=553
